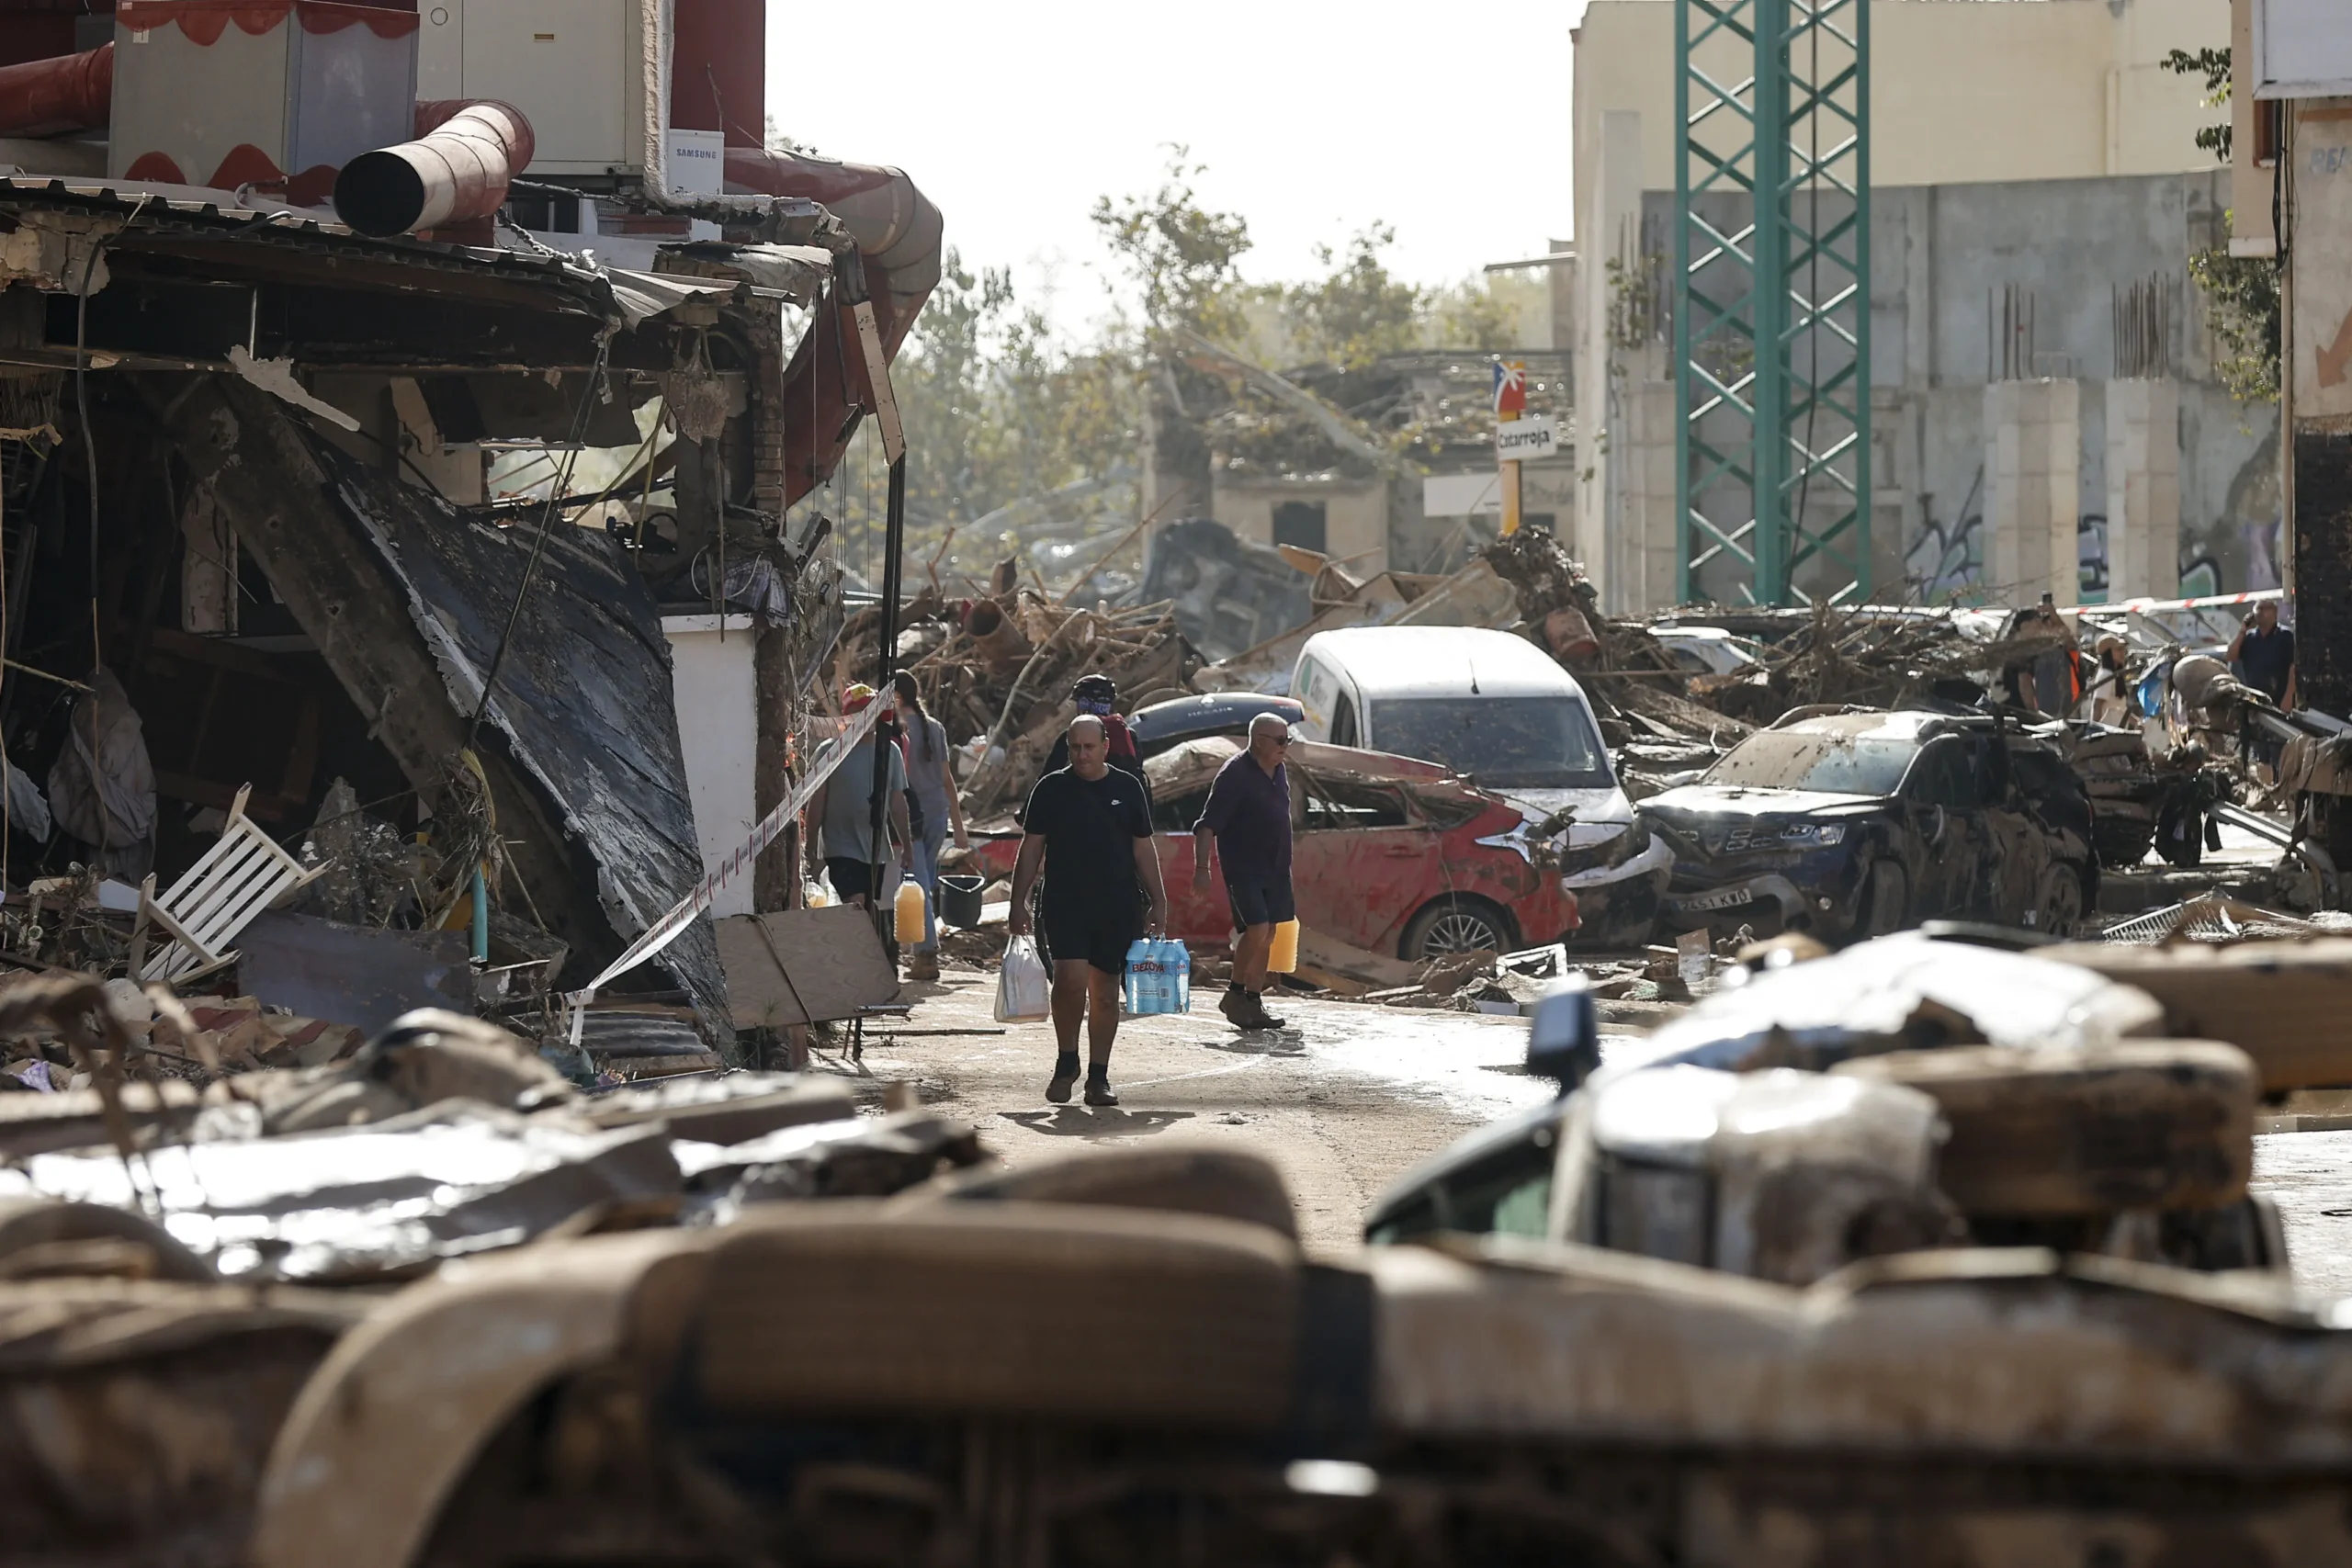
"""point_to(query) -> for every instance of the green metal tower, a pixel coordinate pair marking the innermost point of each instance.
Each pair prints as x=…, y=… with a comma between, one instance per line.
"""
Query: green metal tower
x=1771, y=299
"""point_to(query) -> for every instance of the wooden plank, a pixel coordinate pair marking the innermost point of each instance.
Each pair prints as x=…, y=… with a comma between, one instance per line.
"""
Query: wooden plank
x=797, y=967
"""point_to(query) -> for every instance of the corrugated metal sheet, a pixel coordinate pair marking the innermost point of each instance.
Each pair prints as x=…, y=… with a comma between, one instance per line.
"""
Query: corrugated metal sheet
x=583, y=704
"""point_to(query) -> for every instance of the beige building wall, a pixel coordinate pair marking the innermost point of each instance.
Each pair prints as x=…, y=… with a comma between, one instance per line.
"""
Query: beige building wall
x=1355, y=517
x=1961, y=92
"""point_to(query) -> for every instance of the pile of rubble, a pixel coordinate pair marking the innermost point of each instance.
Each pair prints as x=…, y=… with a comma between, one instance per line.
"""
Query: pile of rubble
x=997, y=671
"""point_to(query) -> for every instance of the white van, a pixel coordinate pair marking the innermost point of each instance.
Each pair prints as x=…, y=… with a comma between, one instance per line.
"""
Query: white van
x=1502, y=711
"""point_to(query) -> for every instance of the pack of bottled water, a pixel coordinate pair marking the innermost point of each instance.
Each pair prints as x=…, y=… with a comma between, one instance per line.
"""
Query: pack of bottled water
x=1160, y=977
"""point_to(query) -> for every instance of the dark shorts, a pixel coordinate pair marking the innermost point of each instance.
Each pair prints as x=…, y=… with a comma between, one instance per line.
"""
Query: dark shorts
x=850, y=878
x=1101, y=939
x=1261, y=900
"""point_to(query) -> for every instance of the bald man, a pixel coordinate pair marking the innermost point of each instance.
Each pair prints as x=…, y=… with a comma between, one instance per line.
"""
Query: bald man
x=1089, y=828
x=1248, y=818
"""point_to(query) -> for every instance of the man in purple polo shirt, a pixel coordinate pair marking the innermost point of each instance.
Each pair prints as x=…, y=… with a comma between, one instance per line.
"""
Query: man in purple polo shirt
x=1248, y=810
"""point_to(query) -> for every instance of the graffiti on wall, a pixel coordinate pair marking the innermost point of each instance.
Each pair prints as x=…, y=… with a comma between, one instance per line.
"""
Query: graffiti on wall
x=1945, y=562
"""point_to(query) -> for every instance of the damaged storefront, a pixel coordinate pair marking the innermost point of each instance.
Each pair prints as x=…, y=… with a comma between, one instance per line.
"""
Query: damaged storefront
x=339, y=537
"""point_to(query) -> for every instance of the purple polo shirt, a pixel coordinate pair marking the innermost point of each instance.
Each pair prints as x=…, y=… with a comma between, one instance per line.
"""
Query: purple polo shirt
x=1248, y=810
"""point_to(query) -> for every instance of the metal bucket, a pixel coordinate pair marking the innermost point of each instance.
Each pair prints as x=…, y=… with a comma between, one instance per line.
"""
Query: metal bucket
x=959, y=900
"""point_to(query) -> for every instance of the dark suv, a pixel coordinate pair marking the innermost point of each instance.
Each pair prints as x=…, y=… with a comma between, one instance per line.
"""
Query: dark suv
x=1854, y=822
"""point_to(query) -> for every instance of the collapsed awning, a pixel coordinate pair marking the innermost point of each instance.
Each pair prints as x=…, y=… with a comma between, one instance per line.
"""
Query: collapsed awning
x=406, y=597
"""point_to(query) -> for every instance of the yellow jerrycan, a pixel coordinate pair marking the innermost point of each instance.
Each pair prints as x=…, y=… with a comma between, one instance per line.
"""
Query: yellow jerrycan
x=906, y=912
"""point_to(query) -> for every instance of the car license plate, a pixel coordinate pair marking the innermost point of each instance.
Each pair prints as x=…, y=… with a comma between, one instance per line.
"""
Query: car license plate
x=1703, y=903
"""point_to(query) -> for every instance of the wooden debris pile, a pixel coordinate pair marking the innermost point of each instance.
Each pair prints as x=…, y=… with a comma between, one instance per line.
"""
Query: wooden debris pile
x=1644, y=699
x=998, y=671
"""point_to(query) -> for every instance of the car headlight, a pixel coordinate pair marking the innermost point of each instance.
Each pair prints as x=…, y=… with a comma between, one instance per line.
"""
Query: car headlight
x=1814, y=835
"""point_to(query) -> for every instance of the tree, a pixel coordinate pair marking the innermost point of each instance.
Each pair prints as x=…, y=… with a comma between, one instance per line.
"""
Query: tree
x=2241, y=292
x=1183, y=257
x=1358, y=310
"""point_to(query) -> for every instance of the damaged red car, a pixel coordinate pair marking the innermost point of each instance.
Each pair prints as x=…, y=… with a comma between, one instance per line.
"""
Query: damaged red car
x=1388, y=854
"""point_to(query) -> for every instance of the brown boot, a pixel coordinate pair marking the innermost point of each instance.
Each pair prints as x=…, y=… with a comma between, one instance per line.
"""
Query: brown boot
x=1252, y=1014
x=923, y=967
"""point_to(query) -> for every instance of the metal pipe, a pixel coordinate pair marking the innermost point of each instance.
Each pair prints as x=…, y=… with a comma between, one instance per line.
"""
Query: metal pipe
x=899, y=235
x=48, y=97
x=455, y=171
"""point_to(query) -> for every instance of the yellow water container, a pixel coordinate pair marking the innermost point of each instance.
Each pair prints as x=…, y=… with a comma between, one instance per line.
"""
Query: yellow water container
x=1284, y=958
x=906, y=912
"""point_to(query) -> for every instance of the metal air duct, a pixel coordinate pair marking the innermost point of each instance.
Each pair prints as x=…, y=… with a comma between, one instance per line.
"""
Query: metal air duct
x=455, y=170
x=48, y=97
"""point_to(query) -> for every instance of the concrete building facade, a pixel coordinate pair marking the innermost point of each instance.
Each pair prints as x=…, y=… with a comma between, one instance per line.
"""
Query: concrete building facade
x=2037, y=193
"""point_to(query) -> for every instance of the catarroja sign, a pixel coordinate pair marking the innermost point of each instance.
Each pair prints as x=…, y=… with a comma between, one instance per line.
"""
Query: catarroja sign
x=1526, y=440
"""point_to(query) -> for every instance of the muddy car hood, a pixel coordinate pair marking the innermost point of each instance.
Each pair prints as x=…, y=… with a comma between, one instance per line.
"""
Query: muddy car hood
x=1600, y=814
x=1748, y=800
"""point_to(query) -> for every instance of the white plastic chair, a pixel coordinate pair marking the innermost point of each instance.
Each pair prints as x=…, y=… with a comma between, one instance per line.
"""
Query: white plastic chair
x=237, y=878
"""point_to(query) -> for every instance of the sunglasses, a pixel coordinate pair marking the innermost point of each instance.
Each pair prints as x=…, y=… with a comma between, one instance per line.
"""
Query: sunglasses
x=1279, y=740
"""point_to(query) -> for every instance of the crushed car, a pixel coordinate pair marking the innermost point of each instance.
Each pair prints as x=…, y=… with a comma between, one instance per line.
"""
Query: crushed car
x=1915, y=1093
x=1855, y=822
x=1391, y=854
x=1499, y=710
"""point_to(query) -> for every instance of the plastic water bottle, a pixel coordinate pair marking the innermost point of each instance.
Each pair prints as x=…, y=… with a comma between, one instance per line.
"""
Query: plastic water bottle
x=1159, y=978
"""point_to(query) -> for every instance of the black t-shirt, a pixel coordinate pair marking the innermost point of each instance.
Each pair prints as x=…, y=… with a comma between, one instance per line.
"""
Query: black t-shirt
x=1090, y=831
x=2266, y=658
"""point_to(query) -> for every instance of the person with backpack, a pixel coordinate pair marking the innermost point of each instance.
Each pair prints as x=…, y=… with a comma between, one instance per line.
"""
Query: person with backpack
x=841, y=811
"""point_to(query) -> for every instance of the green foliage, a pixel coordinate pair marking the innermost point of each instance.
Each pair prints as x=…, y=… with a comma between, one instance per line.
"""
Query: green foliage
x=2241, y=292
x=1358, y=310
x=1011, y=421
x=2242, y=313
x=1481, y=313
x=2213, y=64
x=1182, y=256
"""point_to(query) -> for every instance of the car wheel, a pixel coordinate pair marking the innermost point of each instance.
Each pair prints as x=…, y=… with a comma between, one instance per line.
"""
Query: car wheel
x=2061, y=905
x=1884, y=899
x=1455, y=925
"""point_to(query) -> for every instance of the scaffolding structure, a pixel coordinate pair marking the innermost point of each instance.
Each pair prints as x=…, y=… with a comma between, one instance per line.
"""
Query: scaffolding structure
x=1771, y=299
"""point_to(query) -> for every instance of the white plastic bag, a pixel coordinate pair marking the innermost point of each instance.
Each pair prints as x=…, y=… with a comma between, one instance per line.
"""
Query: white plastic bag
x=1024, y=990
x=1160, y=977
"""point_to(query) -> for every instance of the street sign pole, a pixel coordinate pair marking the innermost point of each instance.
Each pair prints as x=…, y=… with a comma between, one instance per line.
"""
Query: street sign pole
x=1510, y=402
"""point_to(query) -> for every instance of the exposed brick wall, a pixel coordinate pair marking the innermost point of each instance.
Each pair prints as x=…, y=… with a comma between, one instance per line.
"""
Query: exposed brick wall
x=764, y=333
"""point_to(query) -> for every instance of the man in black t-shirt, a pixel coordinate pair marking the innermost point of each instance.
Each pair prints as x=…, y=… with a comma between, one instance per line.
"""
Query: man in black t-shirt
x=1087, y=828
x=2265, y=650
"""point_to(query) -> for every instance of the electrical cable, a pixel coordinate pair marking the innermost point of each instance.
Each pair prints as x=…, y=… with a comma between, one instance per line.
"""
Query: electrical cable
x=547, y=522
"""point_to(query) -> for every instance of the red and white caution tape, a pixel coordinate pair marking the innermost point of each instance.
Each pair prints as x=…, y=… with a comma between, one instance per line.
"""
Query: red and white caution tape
x=665, y=931
x=2208, y=602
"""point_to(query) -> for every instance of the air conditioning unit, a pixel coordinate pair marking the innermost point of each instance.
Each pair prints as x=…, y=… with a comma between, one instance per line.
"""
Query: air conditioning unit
x=581, y=71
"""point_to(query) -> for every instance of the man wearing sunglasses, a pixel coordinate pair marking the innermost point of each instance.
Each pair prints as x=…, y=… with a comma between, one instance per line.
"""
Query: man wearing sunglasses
x=1248, y=813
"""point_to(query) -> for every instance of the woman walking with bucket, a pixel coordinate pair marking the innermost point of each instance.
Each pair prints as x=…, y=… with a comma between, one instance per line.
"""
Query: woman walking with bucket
x=923, y=740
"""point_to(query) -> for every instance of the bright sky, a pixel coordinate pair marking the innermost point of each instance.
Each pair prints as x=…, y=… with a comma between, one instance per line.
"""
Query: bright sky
x=1314, y=118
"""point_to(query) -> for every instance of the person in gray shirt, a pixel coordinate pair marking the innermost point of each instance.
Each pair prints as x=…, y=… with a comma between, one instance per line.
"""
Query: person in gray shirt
x=841, y=811
x=925, y=750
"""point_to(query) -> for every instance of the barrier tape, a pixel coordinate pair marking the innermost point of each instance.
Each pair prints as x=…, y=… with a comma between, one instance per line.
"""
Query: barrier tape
x=2208, y=602
x=684, y=913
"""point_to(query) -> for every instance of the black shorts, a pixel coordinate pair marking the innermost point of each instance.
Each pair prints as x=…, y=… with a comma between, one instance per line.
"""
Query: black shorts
x=1100, y=939
x=850, y=878
x=1261, y=900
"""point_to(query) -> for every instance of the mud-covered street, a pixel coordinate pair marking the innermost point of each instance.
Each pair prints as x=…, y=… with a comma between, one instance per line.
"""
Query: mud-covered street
x=1344, y=1100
